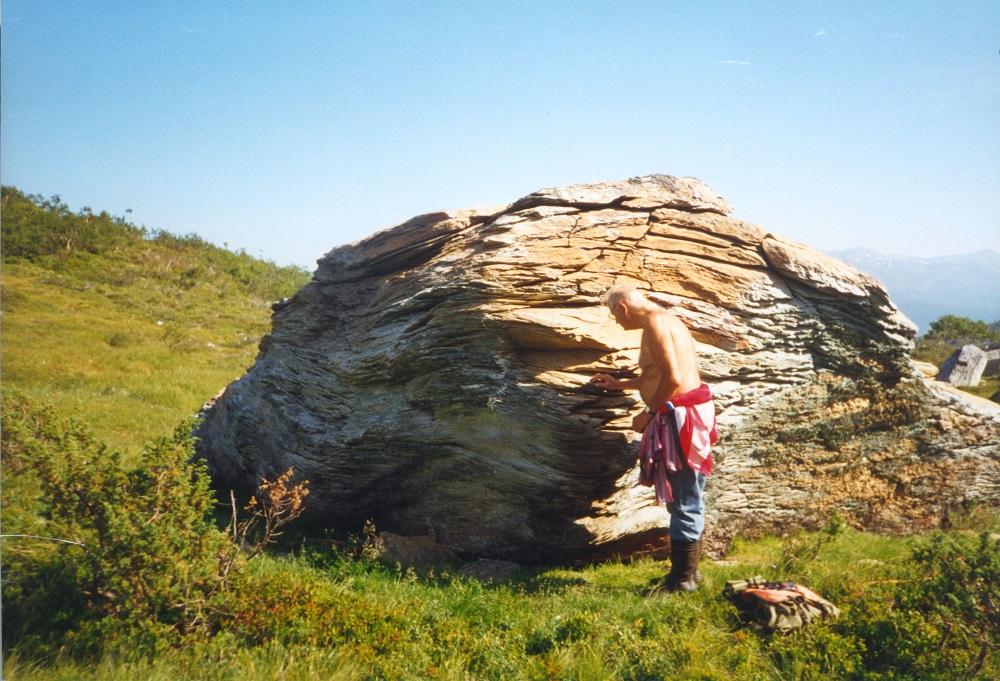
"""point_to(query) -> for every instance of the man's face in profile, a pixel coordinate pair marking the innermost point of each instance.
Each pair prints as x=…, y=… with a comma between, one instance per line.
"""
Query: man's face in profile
x=619, y=311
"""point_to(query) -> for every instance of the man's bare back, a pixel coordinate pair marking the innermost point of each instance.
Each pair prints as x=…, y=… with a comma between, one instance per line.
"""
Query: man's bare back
x=668, y=362
x=677, y=352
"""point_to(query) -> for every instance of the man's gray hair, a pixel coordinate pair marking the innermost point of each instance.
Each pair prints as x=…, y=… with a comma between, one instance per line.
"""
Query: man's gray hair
x=620, y=292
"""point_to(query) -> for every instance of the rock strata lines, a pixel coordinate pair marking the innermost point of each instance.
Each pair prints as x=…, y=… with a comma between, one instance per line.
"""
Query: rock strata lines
x=432, y=378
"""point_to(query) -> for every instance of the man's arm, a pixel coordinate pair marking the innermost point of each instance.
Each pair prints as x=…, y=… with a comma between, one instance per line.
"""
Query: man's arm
x=629, y=384
x=611, y=383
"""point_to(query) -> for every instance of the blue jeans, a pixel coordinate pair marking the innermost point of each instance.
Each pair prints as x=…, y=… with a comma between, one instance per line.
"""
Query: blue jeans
x=687, y=511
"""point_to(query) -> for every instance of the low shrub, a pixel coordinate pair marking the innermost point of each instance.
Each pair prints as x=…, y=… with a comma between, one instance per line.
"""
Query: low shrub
x=944, y=622
x=934, y=616
x=120, y=340
x=146, y=567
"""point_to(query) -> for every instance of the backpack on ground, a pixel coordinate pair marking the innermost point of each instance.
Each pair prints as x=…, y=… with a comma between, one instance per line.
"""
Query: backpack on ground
x=778, y=606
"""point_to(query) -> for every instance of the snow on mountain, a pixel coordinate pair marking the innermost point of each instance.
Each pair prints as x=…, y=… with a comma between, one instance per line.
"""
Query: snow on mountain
x=928, y=288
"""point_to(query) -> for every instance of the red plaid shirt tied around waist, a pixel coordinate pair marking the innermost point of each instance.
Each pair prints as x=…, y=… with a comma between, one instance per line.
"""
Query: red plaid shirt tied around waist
x=682, y=430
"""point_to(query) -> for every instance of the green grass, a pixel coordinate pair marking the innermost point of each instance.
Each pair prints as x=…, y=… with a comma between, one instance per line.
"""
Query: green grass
x=988, y=387
x=317, y=615
x=94, y=353
x=134, y=338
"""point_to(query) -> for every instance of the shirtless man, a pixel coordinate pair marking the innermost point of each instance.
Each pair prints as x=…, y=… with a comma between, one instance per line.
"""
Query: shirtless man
x=668, y=372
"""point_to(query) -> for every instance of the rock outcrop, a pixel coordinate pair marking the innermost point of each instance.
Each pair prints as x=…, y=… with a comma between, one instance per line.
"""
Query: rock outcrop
x=965, y=367
x=992, y=363
x=433, y=377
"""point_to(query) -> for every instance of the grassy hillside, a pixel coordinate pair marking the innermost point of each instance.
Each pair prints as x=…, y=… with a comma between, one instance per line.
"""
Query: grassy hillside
x=129, y=329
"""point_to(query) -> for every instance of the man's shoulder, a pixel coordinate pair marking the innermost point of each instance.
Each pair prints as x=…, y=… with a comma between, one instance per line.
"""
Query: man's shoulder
x=664, y=319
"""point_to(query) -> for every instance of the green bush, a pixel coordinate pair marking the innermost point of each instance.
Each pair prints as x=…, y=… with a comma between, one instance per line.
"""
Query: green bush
x=34, y=226
x=150, y=568
x=960, y=330
x=945, y=623
x=951, y=332
x=932, y=617
x=119, y=340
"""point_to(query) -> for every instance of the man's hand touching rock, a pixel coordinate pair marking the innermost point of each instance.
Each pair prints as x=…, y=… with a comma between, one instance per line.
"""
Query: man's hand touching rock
x=605, y=381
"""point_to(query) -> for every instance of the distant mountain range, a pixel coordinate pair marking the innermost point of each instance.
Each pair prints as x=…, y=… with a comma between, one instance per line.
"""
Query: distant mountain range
x=928, y=288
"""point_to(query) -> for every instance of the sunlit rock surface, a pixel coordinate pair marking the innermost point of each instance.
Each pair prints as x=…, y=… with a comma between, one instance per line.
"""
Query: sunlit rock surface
x=965, y=367
x=433, y=378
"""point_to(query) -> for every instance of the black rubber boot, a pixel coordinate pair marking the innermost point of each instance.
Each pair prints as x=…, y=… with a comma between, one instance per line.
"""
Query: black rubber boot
x=683, y=576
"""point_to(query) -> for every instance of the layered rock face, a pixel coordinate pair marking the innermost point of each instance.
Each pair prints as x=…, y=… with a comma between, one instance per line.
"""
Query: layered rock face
x=433, y=377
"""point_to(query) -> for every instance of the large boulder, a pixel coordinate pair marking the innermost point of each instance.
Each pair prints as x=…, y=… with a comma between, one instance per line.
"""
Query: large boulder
x=965, y=367
x=992, y=363
x=433, y=377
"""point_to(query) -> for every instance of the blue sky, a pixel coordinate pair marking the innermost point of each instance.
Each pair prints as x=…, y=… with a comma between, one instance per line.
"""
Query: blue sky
x=288, y=128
